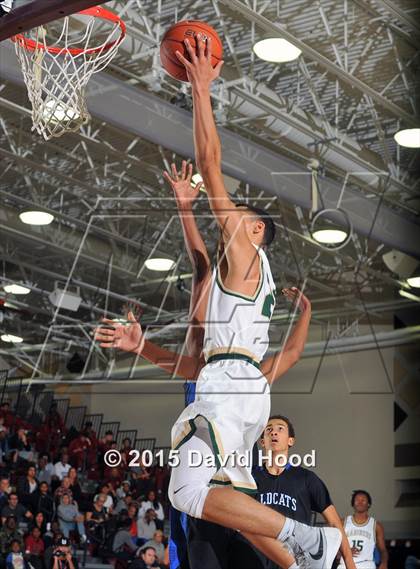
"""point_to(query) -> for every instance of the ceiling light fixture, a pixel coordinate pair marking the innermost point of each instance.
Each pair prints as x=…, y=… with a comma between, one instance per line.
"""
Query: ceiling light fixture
x=11, y=338
x=16, y=289
x=408, y=137
x=159, y=264
x=331, y=228
x=196, y=179
x=276, y=50
x=329, y=236
x=56, y=112
x=414, y=282
x=36, y=217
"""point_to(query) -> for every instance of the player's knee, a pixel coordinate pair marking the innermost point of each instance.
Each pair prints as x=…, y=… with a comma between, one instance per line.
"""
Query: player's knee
x=189, y=497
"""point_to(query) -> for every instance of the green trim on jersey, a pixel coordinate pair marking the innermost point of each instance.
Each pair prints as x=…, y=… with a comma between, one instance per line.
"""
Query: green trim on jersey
x=238, y=488
x=232, y=356
x=237, y=294
x=193, y=427
x=220, y=482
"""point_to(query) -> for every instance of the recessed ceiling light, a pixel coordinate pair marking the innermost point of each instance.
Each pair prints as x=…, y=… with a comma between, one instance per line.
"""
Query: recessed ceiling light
x=160, y=264
x=16, y=289
x=56, y=112
x=329, y=236
x=276, y=50
x=36, y=217
x=414, y=282
x=409, y=137
x=196, y=179
x=12, y=339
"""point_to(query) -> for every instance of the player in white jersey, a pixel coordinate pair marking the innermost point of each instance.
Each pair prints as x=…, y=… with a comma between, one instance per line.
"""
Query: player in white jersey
x=364, y=533
x=232, y=403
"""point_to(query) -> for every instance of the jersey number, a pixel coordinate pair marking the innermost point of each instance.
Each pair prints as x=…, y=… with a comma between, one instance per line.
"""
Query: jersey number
x=357, y=544
x=268, y=304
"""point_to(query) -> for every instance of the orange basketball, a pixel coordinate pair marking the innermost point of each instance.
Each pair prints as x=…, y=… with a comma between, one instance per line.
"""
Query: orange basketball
x=173, y=41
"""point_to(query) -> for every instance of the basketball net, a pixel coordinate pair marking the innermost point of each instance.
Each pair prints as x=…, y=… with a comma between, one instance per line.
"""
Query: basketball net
x=56, y=74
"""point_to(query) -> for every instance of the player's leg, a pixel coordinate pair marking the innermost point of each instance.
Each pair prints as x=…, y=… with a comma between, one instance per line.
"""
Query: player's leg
x=244, y=555
x=276, y=551
x=189, y=492
x=232, y=509
x=208, y=545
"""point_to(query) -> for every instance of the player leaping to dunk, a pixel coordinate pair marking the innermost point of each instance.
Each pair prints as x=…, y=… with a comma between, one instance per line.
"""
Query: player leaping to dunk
x=233, y=402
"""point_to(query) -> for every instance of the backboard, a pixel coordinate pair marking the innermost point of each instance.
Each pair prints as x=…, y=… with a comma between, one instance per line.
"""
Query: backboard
x=25, y=15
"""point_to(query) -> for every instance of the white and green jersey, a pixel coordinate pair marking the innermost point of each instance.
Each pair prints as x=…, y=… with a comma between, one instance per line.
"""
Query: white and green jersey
x=238, y=323
x=363, y=538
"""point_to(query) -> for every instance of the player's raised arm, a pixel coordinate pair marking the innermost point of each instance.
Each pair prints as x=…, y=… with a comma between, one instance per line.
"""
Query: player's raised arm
x=276, y=365
x=208, y=150
x=129, y=338
x=185, y=195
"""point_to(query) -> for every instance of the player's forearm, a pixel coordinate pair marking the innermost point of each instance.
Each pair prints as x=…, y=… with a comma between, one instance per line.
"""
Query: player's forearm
x=384, y=557
x=279, y=363
x=173, y=363
x=206, y=139
x=333, y=519
x=299, y=334
x=196, y=248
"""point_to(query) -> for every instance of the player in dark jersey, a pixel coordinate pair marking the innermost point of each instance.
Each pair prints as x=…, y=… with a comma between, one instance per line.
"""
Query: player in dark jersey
x=294, y=491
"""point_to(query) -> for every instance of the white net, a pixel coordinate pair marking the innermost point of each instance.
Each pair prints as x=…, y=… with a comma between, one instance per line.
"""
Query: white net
x=58, y=65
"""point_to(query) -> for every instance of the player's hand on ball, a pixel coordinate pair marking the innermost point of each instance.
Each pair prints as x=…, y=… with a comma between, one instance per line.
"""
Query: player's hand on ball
x=199, y=69
x=127, y=337
x=297, y=297
x=180, y=182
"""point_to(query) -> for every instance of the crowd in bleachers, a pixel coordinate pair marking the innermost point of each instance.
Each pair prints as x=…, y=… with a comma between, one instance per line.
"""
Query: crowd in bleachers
x=58, y=496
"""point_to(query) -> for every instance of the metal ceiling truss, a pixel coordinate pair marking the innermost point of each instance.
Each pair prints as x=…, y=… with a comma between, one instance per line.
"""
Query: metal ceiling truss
x=102, y=182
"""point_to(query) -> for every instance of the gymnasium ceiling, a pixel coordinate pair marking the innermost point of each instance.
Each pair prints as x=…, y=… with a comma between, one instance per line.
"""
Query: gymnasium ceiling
x=115, y=175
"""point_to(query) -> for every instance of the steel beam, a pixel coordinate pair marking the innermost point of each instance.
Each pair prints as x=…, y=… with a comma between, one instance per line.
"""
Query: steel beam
x=409, y=38
x=280, y=31
x=153, y=119
x=400, y=14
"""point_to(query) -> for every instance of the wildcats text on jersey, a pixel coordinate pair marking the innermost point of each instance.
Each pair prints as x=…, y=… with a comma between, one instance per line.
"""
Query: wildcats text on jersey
x=278, y=499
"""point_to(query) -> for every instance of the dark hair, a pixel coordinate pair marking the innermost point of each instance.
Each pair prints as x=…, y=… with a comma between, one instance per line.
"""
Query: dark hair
x=155, y=501
x=359, y=491
x=264, y=216
x=288, y=422
x=147, y=548
x=124, y=522
x=109, y=433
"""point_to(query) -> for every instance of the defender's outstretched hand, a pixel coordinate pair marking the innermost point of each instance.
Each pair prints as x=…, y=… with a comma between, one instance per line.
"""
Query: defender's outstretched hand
x=200, y=71
x=297, y=298
x=128, y=338
x=180, y=182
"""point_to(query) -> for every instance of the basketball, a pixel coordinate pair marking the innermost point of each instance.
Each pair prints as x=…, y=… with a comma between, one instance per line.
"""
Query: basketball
x=173, y=41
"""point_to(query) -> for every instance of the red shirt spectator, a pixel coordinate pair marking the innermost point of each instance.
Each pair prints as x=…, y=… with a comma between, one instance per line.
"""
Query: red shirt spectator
x=6, y=414
x=78, y=451
x=34, y=543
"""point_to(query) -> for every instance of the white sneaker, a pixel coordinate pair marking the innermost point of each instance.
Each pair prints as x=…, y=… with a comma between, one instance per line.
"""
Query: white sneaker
x=329, y=543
